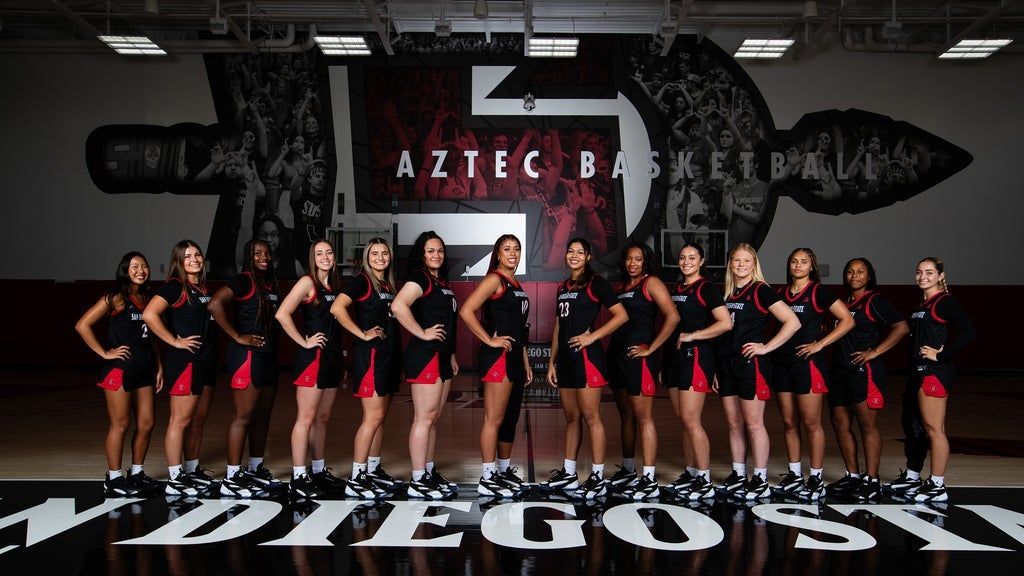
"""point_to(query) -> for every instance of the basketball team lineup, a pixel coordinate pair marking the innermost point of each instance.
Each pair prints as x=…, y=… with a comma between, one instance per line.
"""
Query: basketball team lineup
x=798, y=346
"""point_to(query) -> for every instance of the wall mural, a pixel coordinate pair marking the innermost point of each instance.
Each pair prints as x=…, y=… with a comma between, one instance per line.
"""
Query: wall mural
x=617, y=143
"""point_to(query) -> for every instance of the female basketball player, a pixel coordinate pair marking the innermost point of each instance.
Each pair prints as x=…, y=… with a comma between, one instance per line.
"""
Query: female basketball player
x=504, y=367
x=178, y=315
x=426, y=307
x=132, y=372
x=579, y=369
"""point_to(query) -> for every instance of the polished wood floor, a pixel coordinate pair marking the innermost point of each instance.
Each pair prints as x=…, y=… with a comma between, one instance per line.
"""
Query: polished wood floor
x=54, y=422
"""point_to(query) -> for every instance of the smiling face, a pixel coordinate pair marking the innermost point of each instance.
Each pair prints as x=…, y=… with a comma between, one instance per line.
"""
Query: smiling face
x=138, y=270
x=433, y=255
x=634, y=263
x=378, y=256
x=261, y=256
x=928, y=277
x=509, y=254
x=192, y=261
x=323, y=256
x=690, y=262
x=742, y=266
x=576, y=257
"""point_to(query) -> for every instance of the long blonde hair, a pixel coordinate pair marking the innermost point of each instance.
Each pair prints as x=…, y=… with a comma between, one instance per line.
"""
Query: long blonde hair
x=756, y=275
x=389, y=275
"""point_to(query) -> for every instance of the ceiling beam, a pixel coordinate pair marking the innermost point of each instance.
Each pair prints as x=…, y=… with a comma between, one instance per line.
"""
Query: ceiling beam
x=76, y=19
x=382, y=29
x=234, y=28
x=819, y=32
x=983, y=21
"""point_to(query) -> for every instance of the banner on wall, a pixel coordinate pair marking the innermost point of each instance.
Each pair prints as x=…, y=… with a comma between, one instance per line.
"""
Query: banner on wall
x=617, y=143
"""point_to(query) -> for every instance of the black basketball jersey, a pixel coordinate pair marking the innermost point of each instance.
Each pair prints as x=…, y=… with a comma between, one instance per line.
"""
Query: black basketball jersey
x=694, y=302
x=126, y=328
x=188, y=316
x=748, y=307
x=811, y=306
x=507, y=312
x=437, y=305
x=373, y=308
x=642, y=310
x=578, y=307
x=872, y=314
x=252, y=317
x=929, y=326
x=316, y=316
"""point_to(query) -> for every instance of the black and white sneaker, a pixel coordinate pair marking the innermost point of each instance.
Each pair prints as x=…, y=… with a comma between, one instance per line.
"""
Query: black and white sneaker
x=424, y=488
x=362, y=487
x=144, y=484
x=903, y=485
x=181, y=486
x=327, y=483
x=699, y=489
x=303, y=488
x=644, y=489
x=200, y=478
x=237, y=486
x=263, y=480
x=790, y=485
x=755, y=489
x=844, y=487
x=495, y=486
x=681, y=483
x=445, y=484
x=384, y=480
x=931, y=492
x=119, y=487
x=594, y=488
x=733, y=483
x=561, y=480
x=623, y=479
x=813, y=489
x=870, y=490
x=512, y=479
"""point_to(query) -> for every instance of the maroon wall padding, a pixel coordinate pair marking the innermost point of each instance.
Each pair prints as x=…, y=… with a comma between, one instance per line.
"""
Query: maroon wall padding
x=38, y=327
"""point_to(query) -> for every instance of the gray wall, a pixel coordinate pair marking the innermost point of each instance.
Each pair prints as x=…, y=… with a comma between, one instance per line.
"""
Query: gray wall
x=60, y=226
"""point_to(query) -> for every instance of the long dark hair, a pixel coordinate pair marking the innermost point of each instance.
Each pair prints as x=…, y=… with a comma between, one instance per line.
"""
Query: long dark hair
x=176, y=269
x=497, y=246
x=588, y=272
x=333, y=278
x=418, y=252
x=872, y=283
x=123, y=283
x=261, y=279
x=650, y=266
x=814, y=265
x=700, y=252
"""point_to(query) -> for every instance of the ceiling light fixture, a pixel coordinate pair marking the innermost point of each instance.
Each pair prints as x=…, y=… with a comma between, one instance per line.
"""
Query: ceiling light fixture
x=480, y=11
x=760, y=48
x=133, y=45
x=975, y=49
x=343, y=45
x=540, y=47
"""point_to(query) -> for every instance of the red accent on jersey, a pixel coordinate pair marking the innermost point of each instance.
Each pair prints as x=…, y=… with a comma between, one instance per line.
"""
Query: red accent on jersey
x=183, y=385
x=369, y=288
x=368, y=385
x=817, y=380
x=931, y=386
x=252, y=288
x=875, y=400
x=431, y=372
x=309, y=376
x=761, y=389
x=498, y=371
x=113, y=380
x=700, y=379
x=594, y=377
x=242, y=377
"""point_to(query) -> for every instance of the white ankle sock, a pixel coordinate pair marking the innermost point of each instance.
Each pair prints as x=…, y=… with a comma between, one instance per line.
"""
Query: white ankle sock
x=569, y=466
